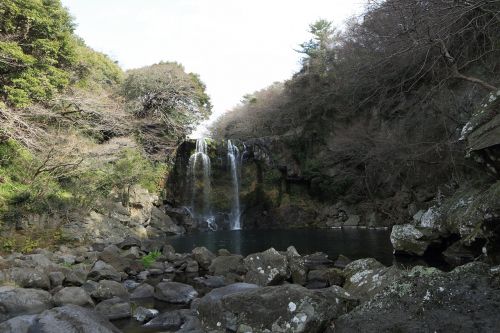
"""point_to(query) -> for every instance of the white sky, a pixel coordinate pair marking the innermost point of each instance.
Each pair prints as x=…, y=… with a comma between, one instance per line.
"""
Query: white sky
x=237, y=46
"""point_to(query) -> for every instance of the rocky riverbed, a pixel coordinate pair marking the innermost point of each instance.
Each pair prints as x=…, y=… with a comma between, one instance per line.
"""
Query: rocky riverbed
x=114, y=288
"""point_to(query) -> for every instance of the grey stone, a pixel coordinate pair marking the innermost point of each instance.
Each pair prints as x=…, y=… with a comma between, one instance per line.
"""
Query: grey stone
x=73, y=295
x=114, y=308
x=203, y=256
x=266, y=268
x=143, y=291
x=19, y=301
x=175, y=292
x=108, y=289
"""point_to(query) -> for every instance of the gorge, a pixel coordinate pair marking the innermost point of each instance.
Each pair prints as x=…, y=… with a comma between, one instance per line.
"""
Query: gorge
x=360, y=194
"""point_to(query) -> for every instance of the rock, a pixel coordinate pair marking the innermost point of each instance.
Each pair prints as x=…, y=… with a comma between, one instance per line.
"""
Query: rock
x=108, y=289
x=130, y=284
x=27, y=277
x=104, y=271
x=408, y=239
x=143, y=291
x=210, y=282
x=365, y=284
x=192, y=266
x=39, y=260
x=329, y=277
x=223, y=252
x=317, y=260
x=458, y=254
x=342, y=261
x=19, y=324
x=128, y=242
x=352, y=221
x=142, y=314
x=266, y=268
x=286, y=308
x=428, y=300
x=114, y=308
x=19, y=301
x=73, y=295
x=361, y=265
x=229, y=266
x=132, y=253
x=56, y=279
x=297, y=266
x=111, y=255
x=175, y=292
x=74, y=277
x=213, y=298
x=203, y=256
x=72, y=319
x=171, y=321
x=163, y=222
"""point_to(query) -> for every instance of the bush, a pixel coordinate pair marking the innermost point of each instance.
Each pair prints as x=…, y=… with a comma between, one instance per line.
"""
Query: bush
x=150, y=258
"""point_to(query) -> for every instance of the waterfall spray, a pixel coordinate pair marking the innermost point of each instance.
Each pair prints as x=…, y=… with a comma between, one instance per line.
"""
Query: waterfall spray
x=232, y=154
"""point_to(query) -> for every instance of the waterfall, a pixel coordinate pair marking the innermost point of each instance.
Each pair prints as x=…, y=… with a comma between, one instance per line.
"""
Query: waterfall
x=200, y=159
x=232, y=154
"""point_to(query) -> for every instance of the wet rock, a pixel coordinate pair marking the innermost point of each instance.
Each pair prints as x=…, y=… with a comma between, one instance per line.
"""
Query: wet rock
x=73, y=295
x=72, y=319
x=428, y=300
x=266, y=268
x=408, y=239
x=108, y=289
x=19, y=301
x=142, y=314
x=20, y=324
x=229, y=266
x=114, y=308
x=175, y=292
x=143, y=291
x=286, y=308
x=203, y=256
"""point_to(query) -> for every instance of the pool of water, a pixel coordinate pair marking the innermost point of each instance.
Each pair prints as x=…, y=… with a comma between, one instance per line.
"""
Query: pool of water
x=354, y=243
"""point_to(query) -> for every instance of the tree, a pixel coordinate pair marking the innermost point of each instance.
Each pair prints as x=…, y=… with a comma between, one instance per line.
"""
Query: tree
x=37, y=47
x=317, y=49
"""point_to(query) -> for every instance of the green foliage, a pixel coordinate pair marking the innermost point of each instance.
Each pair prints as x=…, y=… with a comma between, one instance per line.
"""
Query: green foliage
x=150, y=258
x=166, y=93
x=37, y=47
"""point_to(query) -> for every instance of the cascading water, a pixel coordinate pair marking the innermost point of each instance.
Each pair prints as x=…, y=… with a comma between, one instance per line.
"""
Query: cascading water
x=232, y=154
x=199, y=161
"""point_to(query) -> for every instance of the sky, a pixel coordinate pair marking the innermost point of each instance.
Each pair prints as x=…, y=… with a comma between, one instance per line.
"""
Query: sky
x=236, y=46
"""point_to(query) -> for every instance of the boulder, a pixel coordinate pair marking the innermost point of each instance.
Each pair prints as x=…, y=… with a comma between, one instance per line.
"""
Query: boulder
x=108, y=289
x=143, y=291
x=163, y=222
x=19, y=301
x=297, y=266
x=104, y=271
x=203, y=256
x=72, y=319
x=142, y=314
x=73, y=295
x=20, y=324
x=286, y=308
x=327, y=277
x=171, y=321
x=175, y=292
x=364, y=284
x=26, y=277
x=114, y=308
x=266, y=268
x=229, y=266
x=409, y=239
x=74, y=277
x=317, y=260
x=428, y=300
x=56, y=279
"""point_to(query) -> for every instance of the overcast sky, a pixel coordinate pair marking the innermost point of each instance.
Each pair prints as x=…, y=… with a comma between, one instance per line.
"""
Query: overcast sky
x=237, y=46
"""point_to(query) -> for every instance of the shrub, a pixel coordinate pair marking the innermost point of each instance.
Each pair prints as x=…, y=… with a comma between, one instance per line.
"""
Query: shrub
x=150, y=258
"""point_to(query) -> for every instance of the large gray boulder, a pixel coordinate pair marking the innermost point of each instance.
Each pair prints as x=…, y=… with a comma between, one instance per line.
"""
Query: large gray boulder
x=266, y=268
x=175, y=292
x=286, y=308
x=18, y=301
x=104, y=271
x=428, y=300
x=72, y=319
x=108, y=289
x=26, y=277
x=73, y=295
x=409, y=239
